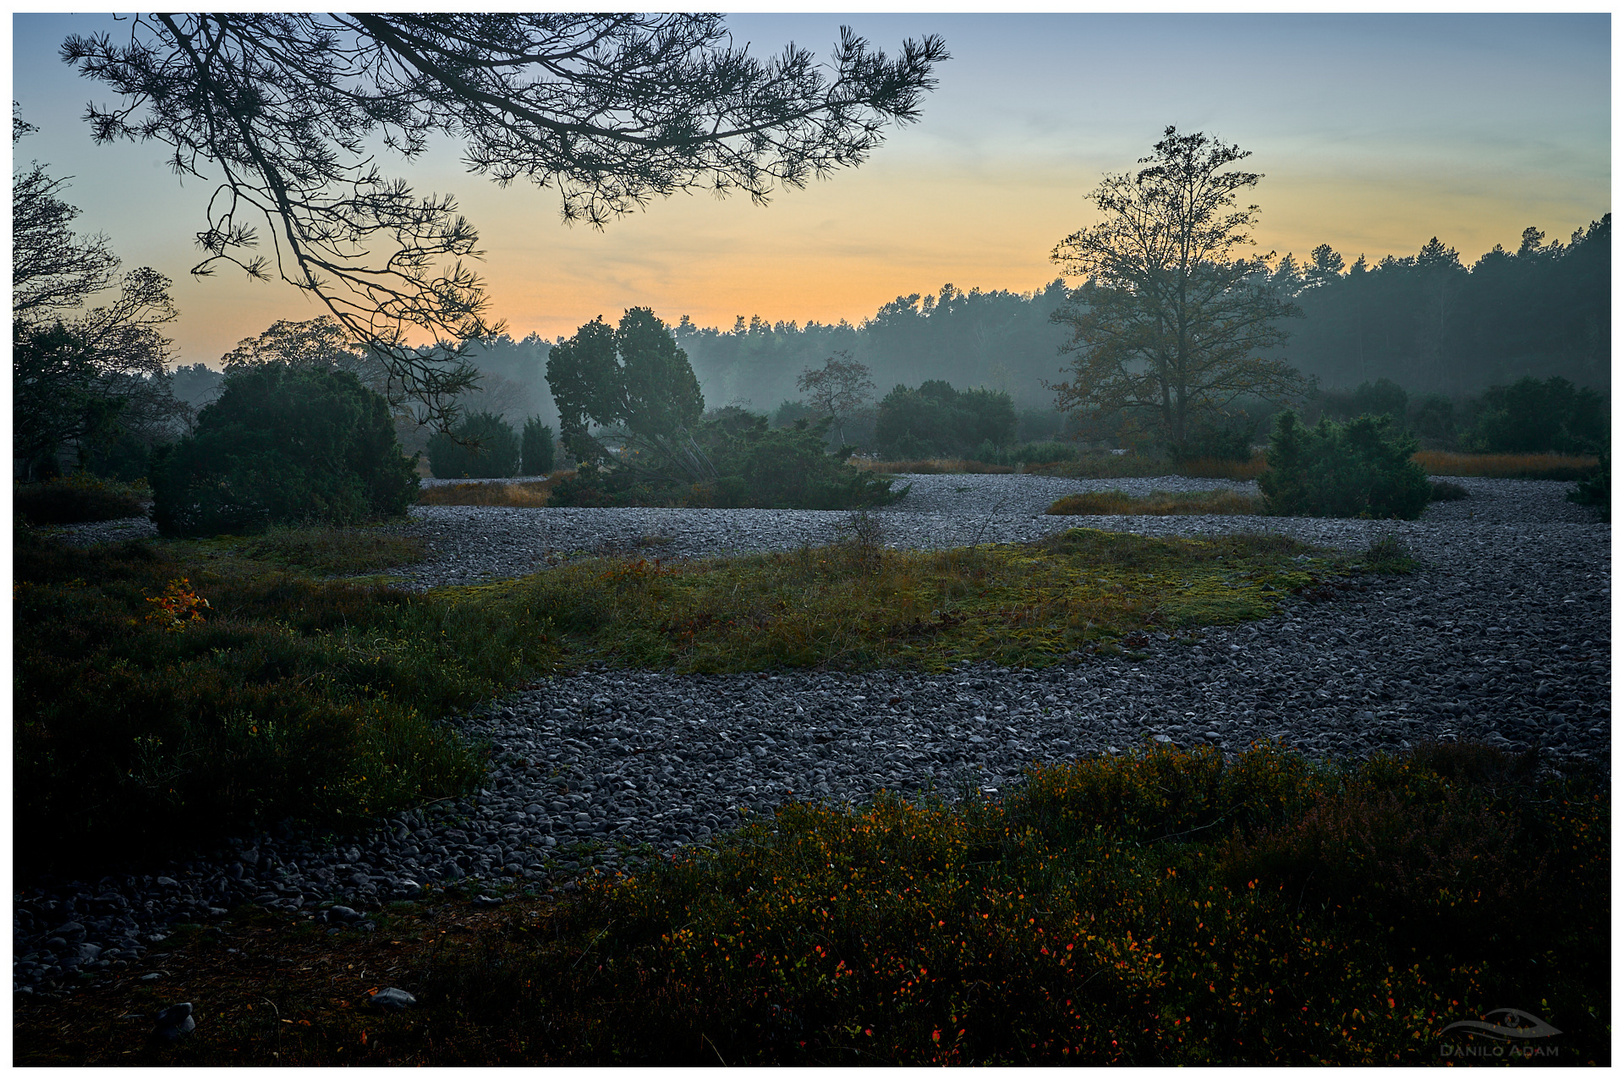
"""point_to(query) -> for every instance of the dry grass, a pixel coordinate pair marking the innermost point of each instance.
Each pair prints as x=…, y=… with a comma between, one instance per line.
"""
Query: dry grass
x=1091, y=466
x=931, y=466
x=492, y=492
x=1160, y=503
x=1221, y=469
x=1097, y=466
x=1508, y=466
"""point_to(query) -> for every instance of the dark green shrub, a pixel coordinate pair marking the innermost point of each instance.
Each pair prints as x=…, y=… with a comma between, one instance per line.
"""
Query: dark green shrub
x=1026, y=453
x=80, y=497
x=788, y=468
x=1384, y=397
x=939, y=421
x=1597, y=489
x=1532, y=417
x=536, y=447
x=790, y=411
x=1230, y=441
x=125, y=456
x=1359, y=469
x=1432, y=420
x=753, y=465
x=481, y=445
x=284, y=444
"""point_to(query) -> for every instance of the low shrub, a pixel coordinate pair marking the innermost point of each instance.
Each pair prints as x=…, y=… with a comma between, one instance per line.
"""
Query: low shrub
x=79, y=497
x=284, y=444
x=751, y=464
x=480, y=445
x=167, y=695
x=1360, y=469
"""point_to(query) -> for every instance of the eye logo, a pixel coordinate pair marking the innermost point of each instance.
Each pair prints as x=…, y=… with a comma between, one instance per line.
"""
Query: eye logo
x=1514, y=1024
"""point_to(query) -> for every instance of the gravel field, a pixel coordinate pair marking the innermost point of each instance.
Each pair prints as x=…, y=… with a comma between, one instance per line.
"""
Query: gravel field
x=1503, y=635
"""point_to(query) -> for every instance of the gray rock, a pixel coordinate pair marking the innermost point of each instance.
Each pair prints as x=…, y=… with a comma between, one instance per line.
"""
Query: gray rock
x=392, y=999
x=174, y=1022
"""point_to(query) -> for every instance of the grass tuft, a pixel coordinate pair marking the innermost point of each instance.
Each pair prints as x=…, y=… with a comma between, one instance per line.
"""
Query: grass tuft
x=335, y=551
x=1389, y=555
x=1156, y=503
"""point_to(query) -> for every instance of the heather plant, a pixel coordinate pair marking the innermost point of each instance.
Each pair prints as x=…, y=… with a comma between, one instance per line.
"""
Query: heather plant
x=1361, y=469
x=285, y=443
x=79, y=497
x=165, y=696
x=1162, y=908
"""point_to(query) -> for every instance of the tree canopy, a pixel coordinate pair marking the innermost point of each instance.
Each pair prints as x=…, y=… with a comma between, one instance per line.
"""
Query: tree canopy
x=322, y=342
x=1173, y=318
x=79, y=376
x=634, y=379
x=281, y=112
x=838, y=389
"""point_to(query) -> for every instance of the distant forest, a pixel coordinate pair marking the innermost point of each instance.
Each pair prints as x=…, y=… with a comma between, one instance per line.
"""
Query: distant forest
x=1427, y=322
x=1434, y=326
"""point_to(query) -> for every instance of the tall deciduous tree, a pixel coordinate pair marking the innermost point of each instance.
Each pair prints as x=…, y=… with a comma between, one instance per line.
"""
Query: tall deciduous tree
x=838, y=389
x=611, y=109
x=1173, y=318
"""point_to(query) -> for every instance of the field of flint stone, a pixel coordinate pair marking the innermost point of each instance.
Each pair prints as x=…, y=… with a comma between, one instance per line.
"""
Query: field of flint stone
x=1502, y=635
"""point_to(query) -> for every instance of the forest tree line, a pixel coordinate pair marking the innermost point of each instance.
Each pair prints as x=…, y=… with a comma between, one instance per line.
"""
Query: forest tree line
x=1427, y=322
x=1441, y=330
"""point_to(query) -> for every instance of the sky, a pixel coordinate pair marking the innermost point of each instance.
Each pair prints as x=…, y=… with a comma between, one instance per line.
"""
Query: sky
x=1373, y=133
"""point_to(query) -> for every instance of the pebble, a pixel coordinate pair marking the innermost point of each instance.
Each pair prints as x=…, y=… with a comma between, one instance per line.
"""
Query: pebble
x=1502, y=635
